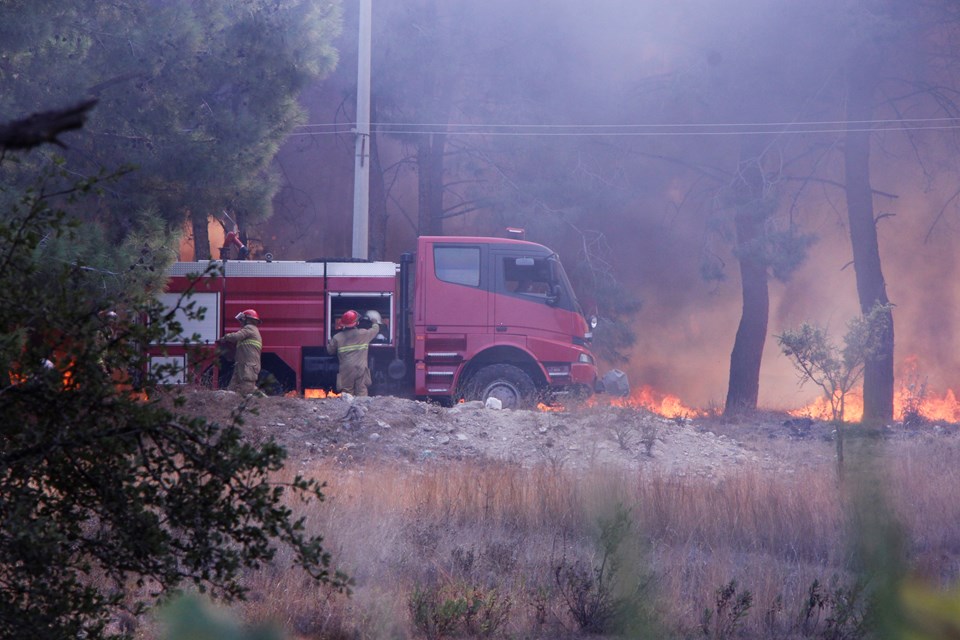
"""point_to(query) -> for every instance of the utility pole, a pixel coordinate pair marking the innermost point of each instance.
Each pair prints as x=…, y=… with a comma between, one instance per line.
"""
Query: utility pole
x=361, y=173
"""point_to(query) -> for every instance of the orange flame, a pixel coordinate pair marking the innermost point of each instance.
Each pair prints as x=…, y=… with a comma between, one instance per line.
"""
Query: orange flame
x=550, y=407
x=663, y=404
x=319, y=394
x=645, y=397
x=911, y=402
x=907, y=403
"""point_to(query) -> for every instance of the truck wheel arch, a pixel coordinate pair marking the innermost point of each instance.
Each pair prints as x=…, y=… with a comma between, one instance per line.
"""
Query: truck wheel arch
x=506, y=382
x=517, y=368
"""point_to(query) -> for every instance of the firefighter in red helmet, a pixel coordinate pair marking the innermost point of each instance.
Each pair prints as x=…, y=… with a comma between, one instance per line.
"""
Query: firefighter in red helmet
x=246, y=367
x=351, y=347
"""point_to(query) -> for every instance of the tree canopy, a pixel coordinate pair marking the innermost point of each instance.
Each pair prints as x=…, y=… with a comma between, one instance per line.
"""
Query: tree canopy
x=196, y=95
x=109, y=496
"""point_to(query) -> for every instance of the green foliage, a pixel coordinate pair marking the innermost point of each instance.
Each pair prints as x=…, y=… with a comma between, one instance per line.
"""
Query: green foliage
x=616, y=307
x=600, y=292
x=834, y=613
x=913, y=391
x=109, y=496
x=729, y=613
x=188, y=617
x=196, y=94
x=435, y=615
x=613, y=594
x=748, y=218
x=781, y=251
x=458, y=610
x=123, y=266
x=836, y=370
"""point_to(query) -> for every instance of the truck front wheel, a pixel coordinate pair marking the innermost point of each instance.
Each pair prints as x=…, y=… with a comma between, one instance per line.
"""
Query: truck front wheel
x=509, y=384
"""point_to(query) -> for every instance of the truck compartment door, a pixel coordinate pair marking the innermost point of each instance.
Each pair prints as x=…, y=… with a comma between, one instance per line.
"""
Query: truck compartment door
x=452, y=321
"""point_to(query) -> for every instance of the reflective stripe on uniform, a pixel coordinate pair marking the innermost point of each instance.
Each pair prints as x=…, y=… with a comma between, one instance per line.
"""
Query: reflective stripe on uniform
x=255, y=343
x=352, y=347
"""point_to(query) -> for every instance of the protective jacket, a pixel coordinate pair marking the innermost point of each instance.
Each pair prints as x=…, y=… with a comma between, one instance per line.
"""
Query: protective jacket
x=351, y=346
x=246, y=368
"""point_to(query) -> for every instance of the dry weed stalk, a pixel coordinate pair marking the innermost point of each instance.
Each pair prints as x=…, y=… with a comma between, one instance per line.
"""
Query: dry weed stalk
x=493, y=525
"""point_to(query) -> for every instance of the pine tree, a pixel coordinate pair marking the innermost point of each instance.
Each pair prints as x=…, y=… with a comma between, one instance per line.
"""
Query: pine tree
x=196, y=95
x=105, y=488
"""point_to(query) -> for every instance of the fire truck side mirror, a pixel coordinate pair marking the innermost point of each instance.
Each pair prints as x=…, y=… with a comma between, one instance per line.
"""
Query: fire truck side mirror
x=553, y=298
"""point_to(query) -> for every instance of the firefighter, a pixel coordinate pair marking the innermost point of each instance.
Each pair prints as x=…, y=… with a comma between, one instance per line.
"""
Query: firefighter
x=105, y=337
x=246, y=366
x=351, y=346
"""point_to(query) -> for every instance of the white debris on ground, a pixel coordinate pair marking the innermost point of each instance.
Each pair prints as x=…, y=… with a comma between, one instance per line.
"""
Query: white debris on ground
x=352, y=430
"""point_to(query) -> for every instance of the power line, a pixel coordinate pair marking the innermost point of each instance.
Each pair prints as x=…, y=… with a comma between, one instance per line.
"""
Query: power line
x=686, y=125
x=629, y=133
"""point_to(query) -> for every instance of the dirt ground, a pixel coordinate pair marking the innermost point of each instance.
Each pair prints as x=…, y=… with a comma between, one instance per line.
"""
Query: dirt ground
x=355, y=431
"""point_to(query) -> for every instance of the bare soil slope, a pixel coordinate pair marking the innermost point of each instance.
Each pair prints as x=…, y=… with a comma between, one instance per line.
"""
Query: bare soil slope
x=353, y=431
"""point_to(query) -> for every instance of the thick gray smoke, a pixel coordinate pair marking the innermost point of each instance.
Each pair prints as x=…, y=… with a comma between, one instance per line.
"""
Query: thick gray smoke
x=700, y=76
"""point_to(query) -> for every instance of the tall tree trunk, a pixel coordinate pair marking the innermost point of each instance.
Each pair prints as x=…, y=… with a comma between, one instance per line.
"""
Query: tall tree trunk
x=430, y=152
x=201, y=235
x=751, y=211
x=871, y=288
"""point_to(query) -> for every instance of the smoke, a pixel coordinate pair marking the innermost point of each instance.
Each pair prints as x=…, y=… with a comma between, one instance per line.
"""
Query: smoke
x=698, y=74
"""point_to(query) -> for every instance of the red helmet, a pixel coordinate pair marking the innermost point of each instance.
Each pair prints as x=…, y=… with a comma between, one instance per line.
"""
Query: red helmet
x=248, y=315
x=349, y=319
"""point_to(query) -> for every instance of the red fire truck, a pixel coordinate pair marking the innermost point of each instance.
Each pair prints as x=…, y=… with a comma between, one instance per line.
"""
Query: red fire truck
x=463, y=318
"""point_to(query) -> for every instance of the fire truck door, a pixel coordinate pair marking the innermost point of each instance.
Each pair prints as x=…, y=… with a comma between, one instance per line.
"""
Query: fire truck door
x=455, y=291
x=453, y=317
x=523, y=287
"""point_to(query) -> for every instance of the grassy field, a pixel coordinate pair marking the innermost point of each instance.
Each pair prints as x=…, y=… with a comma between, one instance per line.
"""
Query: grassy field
x=499, y=551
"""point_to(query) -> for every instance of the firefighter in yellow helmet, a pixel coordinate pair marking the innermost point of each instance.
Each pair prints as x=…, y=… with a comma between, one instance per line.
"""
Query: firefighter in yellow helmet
x=351, y=347
x=246, y=367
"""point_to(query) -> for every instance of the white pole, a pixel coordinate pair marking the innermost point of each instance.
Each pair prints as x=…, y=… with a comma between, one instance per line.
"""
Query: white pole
x=361, y=174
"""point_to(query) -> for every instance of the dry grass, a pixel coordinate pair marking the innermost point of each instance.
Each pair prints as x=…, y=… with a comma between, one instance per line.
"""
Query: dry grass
x=504, y=528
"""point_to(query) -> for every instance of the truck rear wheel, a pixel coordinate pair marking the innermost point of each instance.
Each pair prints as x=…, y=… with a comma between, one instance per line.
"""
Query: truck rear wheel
x=509, y=384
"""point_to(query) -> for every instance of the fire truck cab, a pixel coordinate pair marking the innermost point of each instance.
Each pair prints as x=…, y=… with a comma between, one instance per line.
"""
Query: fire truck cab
x=463, y=318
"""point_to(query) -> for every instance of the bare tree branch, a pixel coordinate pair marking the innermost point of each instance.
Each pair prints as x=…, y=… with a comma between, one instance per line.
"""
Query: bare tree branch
x=940, y=215
x=45, y=127
x=839, y=185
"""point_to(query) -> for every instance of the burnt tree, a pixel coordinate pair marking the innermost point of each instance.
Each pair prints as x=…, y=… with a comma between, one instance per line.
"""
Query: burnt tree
x=750, y=213
x=878, y=382
x=430, y=151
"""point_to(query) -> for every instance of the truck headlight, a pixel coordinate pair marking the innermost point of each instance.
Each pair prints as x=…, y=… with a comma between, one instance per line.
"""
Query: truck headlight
x=585, y=358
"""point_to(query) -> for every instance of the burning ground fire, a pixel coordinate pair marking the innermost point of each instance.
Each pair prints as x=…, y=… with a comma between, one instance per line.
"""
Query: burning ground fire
x=911, y=404
x=317, y=394
x=912, y=401
x=663, y=404
x=907, y=406
x=646, y=397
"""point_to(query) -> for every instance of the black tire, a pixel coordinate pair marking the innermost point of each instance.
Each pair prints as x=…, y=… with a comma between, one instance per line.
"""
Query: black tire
x=509, y=384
